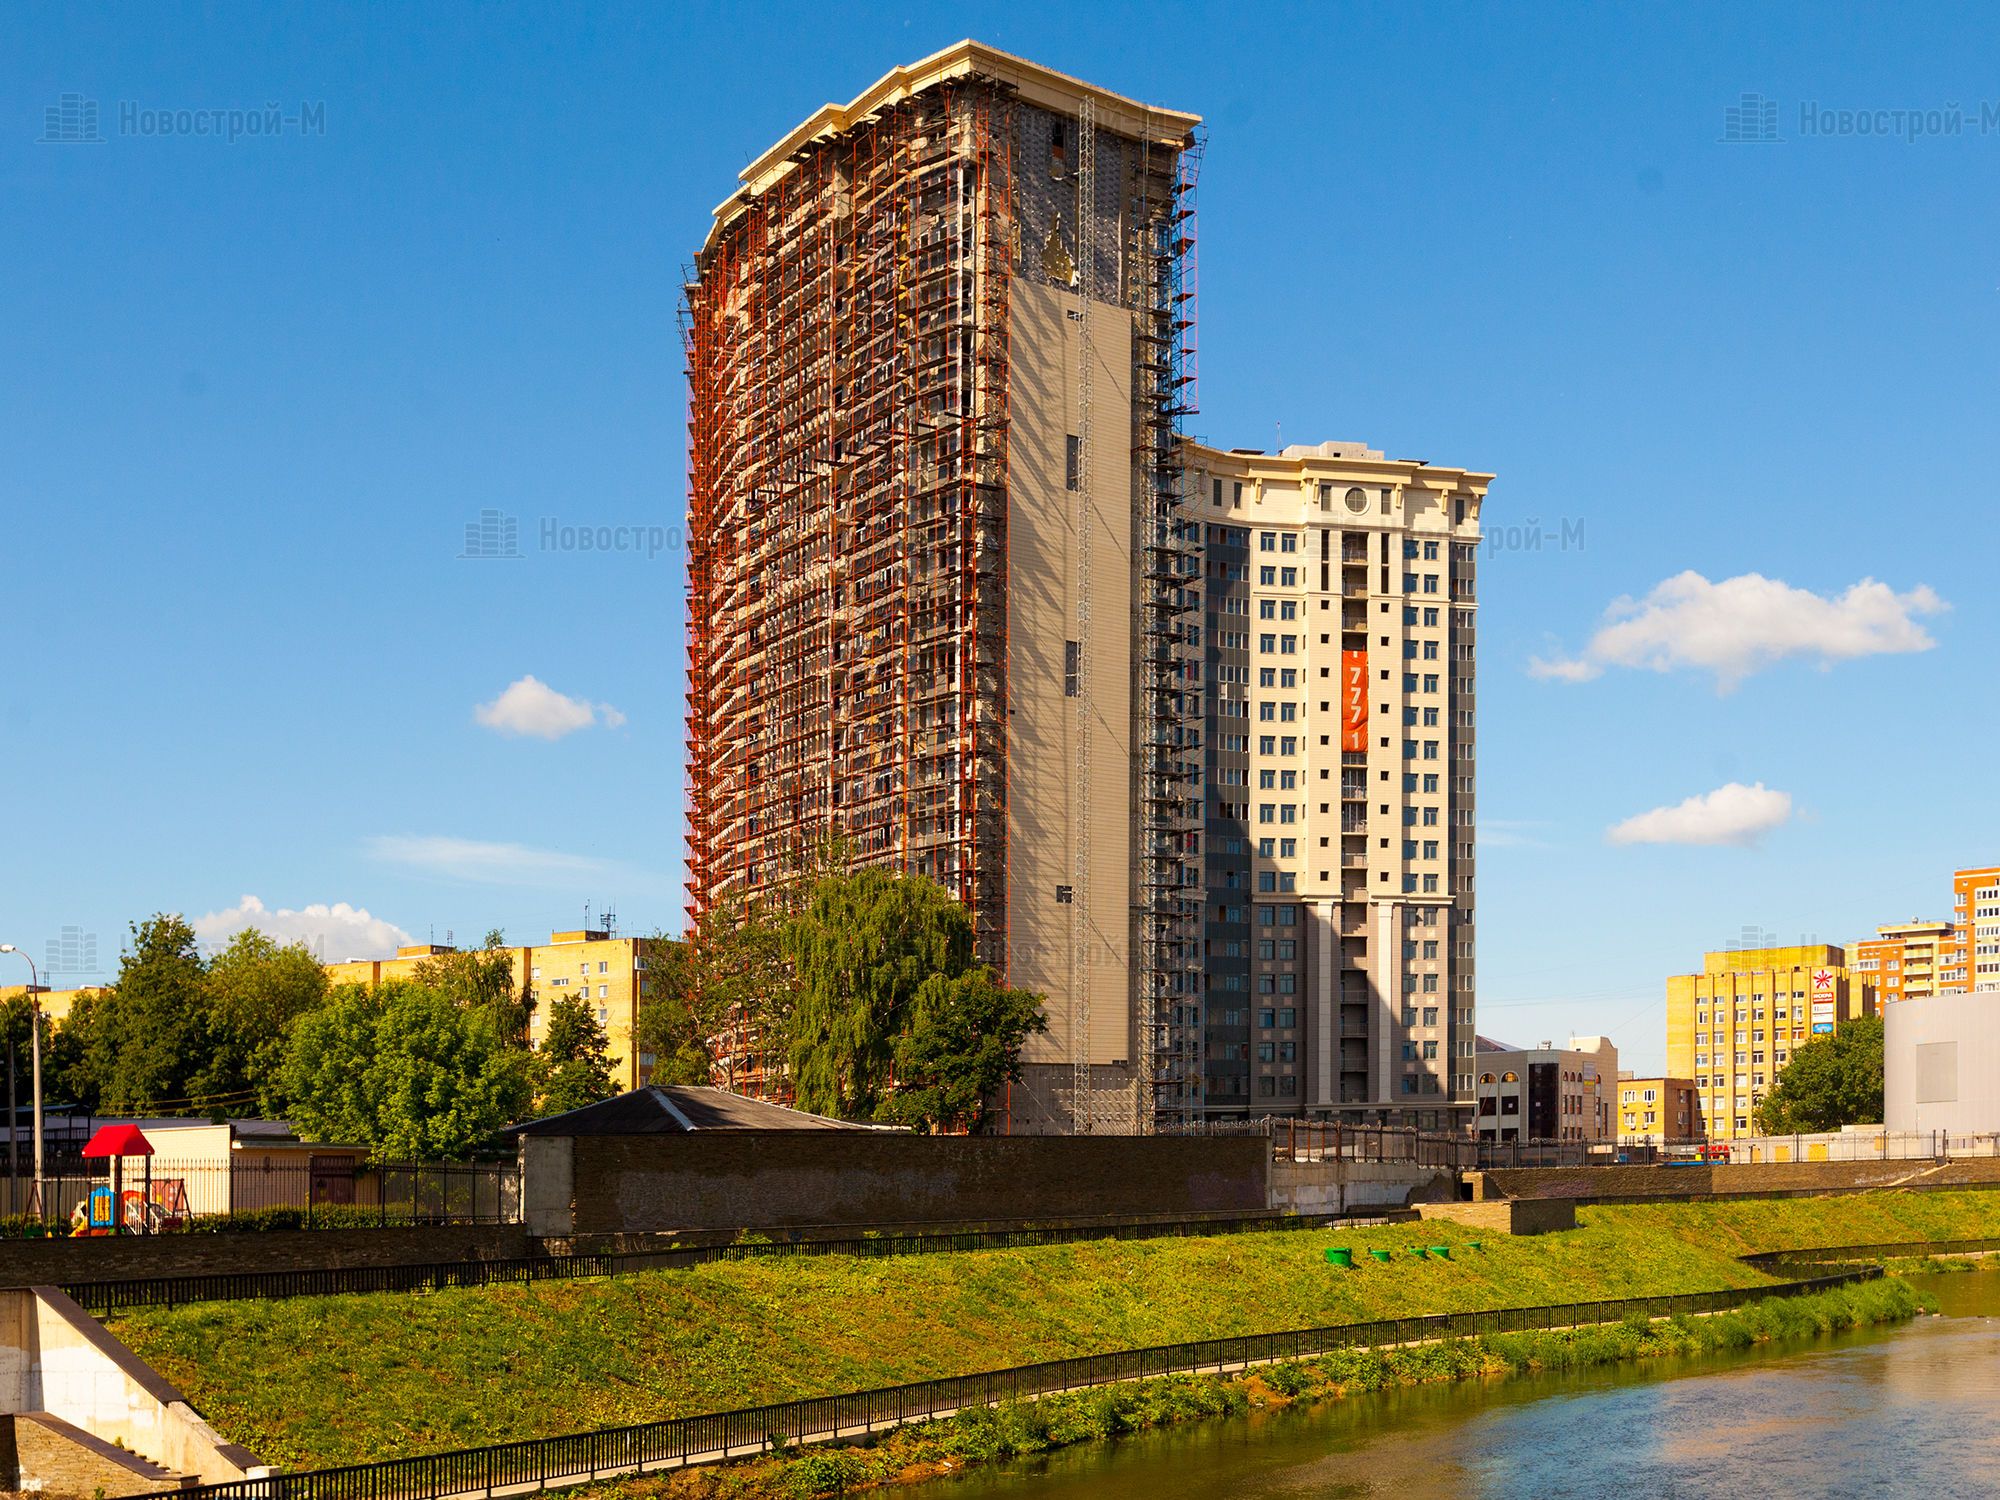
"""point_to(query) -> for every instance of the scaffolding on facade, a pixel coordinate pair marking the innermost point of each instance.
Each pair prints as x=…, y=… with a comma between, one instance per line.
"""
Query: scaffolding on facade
x=846, y=342
x=1170, y=652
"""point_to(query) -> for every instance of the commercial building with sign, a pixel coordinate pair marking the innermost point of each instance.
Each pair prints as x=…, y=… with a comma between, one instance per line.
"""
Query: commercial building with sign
x=1733, y=1026
x=1546, y=1093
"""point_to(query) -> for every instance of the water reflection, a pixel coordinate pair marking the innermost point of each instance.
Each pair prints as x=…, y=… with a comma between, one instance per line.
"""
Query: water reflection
x=1907, y=1411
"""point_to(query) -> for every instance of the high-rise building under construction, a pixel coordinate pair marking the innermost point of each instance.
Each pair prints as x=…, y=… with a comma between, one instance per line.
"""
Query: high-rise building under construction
x=954, y=592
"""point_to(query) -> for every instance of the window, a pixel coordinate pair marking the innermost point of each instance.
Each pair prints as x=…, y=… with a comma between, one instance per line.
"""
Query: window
x=1072, y=462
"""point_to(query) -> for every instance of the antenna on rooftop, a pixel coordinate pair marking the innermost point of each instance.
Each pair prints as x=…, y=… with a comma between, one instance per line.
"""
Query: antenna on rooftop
x=610, y=920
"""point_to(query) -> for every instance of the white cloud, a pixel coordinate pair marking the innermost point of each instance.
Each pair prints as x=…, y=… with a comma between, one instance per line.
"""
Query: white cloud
x=1744, y=624
x=332, y=932
x=1732, y=814
x=531, y=708
x=486, y=863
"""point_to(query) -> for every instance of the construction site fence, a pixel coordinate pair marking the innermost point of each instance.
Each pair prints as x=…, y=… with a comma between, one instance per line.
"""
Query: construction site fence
x=1863, y=1145
x=579, y=1458
x=160, y=1195
x=111, y=1296
x=1834, y=1146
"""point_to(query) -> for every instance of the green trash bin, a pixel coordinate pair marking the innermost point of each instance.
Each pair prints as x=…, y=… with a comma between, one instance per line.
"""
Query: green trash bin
x=1341, y=1257
x=1442, y=1252
x=1419, y=1252
x=1475, y=1245
x=1381, y=1256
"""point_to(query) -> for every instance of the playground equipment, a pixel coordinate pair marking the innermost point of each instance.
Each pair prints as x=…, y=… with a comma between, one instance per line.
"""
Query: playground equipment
x=114, y=1208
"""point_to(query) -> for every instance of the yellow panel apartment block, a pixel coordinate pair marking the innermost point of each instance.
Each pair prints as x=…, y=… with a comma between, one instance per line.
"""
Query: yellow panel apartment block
x=1733, y=1026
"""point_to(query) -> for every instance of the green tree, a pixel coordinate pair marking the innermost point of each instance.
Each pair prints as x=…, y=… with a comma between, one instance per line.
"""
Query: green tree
x=483, y=979
x=256, y=988
x=404, y=1069
x=573, y=1064
x=677, y=1014
x=860, y=950
x=137, y=1047
x=962, y=1047
x=17, y=1031
x=1831, y=1081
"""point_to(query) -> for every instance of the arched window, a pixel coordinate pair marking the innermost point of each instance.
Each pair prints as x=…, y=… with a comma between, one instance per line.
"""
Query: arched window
x=1509, y=1078
x=1485, y=1077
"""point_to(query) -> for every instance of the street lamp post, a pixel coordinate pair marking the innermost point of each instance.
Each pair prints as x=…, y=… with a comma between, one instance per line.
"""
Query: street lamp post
x=35, y=1042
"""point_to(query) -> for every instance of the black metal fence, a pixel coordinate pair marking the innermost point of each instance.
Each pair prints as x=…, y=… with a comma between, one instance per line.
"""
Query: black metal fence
x=161, y=1195
x=1327, y=1141
x=1832, y=1254
x=111, y=1296
x=577, y=1458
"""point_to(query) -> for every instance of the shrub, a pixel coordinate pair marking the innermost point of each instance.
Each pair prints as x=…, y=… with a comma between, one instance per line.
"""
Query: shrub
x=827, y=1471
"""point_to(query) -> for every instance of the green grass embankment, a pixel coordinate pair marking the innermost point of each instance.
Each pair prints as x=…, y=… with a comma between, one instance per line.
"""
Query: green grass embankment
x=317, y=1381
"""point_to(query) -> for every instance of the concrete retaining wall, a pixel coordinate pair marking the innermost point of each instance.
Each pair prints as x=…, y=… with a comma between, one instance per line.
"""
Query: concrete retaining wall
x=1335, y=1187
x=55, y=1358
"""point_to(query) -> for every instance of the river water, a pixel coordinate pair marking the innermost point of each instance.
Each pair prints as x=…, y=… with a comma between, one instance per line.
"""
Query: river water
x=1912, y=1410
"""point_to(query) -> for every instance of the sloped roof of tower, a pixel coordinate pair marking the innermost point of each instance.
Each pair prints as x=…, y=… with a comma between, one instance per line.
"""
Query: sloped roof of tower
x=966, y=59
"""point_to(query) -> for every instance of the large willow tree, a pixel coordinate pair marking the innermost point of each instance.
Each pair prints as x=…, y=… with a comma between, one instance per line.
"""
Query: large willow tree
x=862, y=948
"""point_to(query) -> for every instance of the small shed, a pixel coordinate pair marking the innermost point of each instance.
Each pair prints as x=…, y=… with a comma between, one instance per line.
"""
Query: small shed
x=635, y=1136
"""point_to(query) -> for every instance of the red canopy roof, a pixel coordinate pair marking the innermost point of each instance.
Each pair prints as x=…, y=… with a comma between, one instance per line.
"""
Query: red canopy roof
x=119, y=1140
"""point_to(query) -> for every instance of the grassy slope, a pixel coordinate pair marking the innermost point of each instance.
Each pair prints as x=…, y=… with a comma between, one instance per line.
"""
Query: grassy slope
x=310, y=1382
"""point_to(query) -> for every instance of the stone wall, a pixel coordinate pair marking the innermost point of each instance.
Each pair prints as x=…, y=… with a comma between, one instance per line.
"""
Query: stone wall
x=48, y=1456
x=776, y=1179
x=59, y=1262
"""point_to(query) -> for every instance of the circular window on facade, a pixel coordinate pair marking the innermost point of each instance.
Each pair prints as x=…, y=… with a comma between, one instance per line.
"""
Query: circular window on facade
x=1357, y=500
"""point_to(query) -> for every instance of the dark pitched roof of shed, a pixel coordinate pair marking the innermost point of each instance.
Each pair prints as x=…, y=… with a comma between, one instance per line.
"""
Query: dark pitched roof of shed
x=676, y=1109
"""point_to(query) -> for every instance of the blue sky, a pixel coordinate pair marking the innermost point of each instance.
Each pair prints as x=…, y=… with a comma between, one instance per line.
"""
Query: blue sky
x=256, y=389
